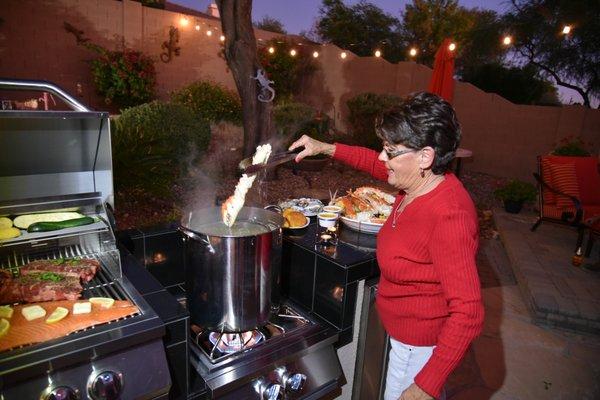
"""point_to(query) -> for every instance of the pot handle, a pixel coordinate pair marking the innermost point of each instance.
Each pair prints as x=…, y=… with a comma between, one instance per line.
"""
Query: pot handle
x=193, y=235
x=273, y=207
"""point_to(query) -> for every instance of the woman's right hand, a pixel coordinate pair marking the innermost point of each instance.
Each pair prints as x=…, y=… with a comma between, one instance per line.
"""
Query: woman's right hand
x=312, y=147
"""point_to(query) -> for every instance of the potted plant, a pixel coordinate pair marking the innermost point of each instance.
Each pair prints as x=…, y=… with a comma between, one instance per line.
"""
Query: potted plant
x=514, y=194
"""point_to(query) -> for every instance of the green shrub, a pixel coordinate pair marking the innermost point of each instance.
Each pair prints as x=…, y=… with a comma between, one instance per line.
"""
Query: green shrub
x=286, y=71
x=293, y=120
x=152, y=143
x=364, y=109
x=211, y=101
x=125, y=78
x=571, y=146
x=290, y=118
x=517, y=191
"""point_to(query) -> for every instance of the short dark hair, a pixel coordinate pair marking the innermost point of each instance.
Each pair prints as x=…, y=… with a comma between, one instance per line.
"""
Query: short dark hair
x=420, y=120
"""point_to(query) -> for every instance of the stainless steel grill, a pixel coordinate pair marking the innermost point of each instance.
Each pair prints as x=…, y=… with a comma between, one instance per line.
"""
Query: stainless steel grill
x=59, y=161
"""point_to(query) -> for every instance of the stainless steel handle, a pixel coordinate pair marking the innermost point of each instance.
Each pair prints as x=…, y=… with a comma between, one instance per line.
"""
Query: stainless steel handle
x=43, y=86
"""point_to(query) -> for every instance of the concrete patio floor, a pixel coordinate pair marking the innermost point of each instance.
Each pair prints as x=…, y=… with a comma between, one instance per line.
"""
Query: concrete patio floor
x=515, y=357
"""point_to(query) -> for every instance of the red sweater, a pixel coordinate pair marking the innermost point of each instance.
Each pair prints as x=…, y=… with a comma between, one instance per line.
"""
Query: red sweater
x=429, y=292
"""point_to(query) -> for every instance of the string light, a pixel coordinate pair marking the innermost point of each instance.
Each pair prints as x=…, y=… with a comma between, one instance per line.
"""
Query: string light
x=209, y=33
x=271, y=50
x=315, y=54
x=377, y=53
x=452, y=46
x=293, y=52
x=184, y=21
x=507, y=40
x=343, y=55
x=222, y=38
x=197, y=27
x=566, y=29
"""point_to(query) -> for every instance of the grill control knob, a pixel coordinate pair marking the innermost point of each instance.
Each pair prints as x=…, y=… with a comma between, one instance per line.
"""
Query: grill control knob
x=294, y=383
x=61, y=393
x=106, y=385
x=273, y=391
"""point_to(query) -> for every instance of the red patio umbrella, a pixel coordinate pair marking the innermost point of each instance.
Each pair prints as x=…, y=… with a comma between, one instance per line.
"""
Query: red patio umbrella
x=442, y=79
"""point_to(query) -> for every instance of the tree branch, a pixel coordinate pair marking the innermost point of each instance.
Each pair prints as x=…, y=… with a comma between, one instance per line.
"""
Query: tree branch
x=531, y=57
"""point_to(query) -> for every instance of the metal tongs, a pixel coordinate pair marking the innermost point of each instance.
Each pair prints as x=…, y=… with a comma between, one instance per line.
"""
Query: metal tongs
x=276, y=159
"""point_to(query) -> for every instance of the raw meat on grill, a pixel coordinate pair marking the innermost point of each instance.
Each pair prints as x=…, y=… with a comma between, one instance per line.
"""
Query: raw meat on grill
x=38, y=287
x=83, y=268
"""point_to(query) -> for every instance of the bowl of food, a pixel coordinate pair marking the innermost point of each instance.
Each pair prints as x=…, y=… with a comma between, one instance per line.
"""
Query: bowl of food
x=294, y=219
x=327, y=219
x=365, y=209
x=308, y=207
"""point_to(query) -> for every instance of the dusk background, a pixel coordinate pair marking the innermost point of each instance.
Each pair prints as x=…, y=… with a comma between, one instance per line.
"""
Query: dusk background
x=297, y=16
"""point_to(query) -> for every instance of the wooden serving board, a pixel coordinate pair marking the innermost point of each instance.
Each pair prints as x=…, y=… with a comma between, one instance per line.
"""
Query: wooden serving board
x=23, y=332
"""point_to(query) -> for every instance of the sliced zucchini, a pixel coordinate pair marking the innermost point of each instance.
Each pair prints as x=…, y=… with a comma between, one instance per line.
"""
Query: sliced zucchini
x=9, y=233
x=5, y=222
x=54, y=226
x=23, y=221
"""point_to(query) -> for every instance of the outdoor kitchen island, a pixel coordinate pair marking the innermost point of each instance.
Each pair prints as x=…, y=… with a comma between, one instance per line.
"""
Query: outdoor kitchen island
x=325, y=285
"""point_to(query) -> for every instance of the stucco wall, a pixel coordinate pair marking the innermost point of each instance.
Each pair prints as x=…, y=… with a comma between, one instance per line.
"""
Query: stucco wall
x=504, y=137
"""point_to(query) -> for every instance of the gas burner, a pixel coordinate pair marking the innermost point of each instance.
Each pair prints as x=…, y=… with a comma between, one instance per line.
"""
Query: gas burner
x=233, y=342
x=217, y=346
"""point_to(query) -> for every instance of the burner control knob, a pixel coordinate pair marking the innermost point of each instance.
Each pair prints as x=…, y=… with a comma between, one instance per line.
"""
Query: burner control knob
x=106, y=385
x=61, y=393
x=294, y=382
x=273, y=391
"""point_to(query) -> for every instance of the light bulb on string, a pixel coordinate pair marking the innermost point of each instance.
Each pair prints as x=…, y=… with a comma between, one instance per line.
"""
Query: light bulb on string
x=183, y=21
x=566, y=29
x=452, y=46
x=209, y=33
x=315, y=54
x=377, y=53
x=271, y=50
x=222, y=38
x=293, y=52
x=197, y=27
x=413, y=52
x=343, y=54
x=507, y=40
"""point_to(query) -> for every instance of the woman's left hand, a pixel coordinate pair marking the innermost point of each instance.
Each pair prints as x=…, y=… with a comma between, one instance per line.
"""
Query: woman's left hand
x=413, y=392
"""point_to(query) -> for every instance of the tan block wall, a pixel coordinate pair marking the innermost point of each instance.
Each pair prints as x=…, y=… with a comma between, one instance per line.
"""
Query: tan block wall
x=504, y=137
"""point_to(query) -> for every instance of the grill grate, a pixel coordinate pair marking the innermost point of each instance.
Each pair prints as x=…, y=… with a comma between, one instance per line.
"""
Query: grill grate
x=102, y=285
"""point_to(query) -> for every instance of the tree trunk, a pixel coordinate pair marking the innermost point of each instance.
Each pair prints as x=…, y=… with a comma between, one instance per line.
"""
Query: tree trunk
x=242, y=59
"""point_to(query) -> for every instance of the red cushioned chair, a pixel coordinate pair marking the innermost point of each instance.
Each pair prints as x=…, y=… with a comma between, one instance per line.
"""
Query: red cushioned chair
x=569, y=193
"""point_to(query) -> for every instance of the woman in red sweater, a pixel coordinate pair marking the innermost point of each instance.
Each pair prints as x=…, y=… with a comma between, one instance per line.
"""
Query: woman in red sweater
x=429, y=297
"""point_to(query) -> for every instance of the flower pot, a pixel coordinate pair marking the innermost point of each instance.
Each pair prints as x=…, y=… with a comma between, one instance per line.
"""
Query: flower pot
x=512, y=206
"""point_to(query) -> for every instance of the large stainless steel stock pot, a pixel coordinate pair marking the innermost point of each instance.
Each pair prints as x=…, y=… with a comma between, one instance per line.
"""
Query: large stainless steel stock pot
x=232, y=274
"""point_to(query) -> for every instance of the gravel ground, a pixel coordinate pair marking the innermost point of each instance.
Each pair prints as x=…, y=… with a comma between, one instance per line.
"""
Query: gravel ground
x=137, y=210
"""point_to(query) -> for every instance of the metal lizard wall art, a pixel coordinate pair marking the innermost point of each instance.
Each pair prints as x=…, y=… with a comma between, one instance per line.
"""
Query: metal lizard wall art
x=170, y=47
x=267, y=93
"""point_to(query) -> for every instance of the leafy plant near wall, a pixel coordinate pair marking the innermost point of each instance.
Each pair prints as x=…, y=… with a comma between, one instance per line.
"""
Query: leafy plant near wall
x=364, y=109
x=150, y=143
x=287, y=71
x=211, y=101
x=571, y=146
x=294, y=119
x=124, y=77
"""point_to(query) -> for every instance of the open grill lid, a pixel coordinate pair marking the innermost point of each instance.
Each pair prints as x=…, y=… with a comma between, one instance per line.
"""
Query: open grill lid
x=53, y=153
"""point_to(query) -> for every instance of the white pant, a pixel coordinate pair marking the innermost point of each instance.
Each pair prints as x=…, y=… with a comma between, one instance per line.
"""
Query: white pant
x=405, y=362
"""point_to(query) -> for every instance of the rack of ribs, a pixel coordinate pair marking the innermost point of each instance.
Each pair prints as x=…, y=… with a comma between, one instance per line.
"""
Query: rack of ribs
x=46, y=280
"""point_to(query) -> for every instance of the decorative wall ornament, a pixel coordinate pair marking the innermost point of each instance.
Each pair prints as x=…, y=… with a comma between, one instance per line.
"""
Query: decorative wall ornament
x=267, y=93
x=76, y=32
x=170, y=47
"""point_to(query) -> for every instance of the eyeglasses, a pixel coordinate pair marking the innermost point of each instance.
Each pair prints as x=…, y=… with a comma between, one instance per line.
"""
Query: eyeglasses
x=393, y=153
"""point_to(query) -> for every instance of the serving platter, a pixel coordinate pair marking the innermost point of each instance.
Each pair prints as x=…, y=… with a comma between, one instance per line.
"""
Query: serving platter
x=307, y=206
x=361, y=226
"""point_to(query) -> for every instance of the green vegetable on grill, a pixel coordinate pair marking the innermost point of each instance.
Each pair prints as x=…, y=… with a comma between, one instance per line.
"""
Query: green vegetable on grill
x=53, y=226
